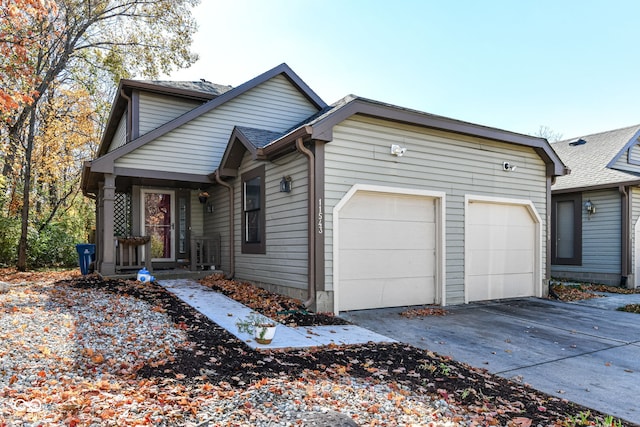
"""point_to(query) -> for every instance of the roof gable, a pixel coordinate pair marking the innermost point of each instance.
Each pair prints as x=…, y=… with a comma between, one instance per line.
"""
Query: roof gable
x=598, y=160
x=106, y=162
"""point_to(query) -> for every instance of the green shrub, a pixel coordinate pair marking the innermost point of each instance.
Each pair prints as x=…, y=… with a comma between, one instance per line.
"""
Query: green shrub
x=54, y=246
x=9, y=236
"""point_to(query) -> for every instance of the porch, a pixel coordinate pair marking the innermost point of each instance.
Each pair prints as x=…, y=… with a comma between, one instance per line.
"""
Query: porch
x=131, y=254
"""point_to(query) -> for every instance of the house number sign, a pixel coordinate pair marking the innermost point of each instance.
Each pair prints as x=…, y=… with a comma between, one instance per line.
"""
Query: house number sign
x=320, y=217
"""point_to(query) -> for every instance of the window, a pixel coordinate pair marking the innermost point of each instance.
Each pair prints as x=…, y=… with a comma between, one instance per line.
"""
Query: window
x=253, y=212
x=566, y=229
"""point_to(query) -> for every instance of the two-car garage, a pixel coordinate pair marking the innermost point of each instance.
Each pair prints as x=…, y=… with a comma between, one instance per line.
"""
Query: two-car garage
x=389, y=248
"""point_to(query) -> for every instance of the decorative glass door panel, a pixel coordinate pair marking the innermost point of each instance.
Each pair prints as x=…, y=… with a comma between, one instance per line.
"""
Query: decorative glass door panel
x=158, y=219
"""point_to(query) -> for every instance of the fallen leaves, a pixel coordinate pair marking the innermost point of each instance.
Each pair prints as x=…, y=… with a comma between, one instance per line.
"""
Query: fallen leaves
x=582, y=291
x=573, y=293
x=116, y=353
x=424, y=312
x=286, y=310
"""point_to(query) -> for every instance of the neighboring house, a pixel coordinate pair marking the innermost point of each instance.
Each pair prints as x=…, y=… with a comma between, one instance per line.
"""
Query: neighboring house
x=594, y=221
x=356, y=205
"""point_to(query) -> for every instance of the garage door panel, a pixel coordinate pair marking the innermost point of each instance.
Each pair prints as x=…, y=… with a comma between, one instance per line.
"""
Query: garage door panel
x=385, y=264
x=488, y=287
x=501, y=237
x=361, y=294
x=501, y=258
x=494, y=262
x=367, y=205
x=375, y=234
x=496, y=213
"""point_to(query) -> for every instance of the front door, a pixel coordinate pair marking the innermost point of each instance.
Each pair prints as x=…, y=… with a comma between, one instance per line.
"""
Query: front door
x=158, y=213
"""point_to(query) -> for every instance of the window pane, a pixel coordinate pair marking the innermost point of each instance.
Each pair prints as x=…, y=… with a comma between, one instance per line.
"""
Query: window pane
x=252, y=221
x=182, y=225
x=157, y=218
x=565, y=229
x=252, y=194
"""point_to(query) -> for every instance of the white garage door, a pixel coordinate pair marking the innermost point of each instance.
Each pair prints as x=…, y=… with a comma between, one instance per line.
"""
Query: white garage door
x=387, y=250
x=501, y=251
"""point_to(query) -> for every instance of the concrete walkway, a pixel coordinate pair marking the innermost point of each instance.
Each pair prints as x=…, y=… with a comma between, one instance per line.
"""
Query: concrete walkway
x=585, y=352
x=226, y=312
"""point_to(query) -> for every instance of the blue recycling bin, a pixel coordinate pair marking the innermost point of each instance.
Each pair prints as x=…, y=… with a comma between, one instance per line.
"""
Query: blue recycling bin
x=86, y=255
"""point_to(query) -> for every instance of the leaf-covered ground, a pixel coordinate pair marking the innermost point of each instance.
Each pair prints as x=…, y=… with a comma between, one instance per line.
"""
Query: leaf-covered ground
x=582, y=291
x=204, y=376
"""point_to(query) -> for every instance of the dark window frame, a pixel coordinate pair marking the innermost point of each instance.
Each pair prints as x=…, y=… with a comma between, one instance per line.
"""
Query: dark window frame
x=259, y=245
x=576, y=198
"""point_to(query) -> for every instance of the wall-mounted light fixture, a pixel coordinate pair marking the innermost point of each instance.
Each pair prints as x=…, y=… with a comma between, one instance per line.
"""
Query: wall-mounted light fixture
x=589, y=207
x=397, y=150
x=285, y=184
x=209, y=207
x=508, y=167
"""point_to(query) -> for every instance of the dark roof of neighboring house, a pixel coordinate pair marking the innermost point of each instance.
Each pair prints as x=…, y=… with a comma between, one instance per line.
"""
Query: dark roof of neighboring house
x=590, y=158
x=199, y=86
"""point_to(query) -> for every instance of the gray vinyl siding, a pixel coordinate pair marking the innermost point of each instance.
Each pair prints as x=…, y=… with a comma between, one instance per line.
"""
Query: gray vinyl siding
x=120, y=135
x=156, y=110
x=197, y=215
x=285, y=262
x=634, y=156
x=635, y=214
x=629, y=161
x=197, y=146
x=601, y=234
x=218, y=222
x=437, y=161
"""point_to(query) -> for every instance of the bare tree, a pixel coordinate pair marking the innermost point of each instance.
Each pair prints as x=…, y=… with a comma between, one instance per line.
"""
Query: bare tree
x=548, y=133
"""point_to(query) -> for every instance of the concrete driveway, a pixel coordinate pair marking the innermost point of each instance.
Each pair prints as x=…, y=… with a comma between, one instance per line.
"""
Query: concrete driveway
x=584, y=352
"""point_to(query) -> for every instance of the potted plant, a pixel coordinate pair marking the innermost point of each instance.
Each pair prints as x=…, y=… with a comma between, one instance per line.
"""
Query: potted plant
x=262, y=328
x=203, y=196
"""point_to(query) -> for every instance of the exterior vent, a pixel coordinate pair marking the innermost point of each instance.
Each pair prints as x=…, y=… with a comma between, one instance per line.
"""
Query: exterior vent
x=578, y=142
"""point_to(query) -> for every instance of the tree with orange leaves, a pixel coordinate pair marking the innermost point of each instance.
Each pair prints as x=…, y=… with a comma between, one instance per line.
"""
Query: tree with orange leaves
x=17, y=40
x=75, y=44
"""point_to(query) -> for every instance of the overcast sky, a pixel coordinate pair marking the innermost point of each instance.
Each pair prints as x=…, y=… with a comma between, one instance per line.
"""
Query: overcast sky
x=572, y=66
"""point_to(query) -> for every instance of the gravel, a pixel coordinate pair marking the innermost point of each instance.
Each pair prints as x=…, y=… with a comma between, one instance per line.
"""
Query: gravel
x=70, y=356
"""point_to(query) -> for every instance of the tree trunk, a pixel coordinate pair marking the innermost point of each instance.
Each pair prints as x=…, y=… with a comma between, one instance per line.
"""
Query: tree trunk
x=22, y=245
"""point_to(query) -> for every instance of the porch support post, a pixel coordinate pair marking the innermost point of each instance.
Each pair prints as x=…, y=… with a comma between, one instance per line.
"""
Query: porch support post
x=108, y=265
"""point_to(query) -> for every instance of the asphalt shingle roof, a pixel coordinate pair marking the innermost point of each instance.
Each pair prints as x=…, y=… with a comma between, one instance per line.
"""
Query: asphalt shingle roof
x=588, y=162
x=258, y=137
x=199, y=86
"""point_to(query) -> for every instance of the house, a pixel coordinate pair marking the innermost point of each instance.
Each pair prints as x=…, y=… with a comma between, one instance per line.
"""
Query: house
x=595, y=209
x=358, y=204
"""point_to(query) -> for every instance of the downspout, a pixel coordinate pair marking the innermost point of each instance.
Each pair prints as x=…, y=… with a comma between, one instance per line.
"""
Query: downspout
x=626, y=241
x=232, y=258
x=311, y=239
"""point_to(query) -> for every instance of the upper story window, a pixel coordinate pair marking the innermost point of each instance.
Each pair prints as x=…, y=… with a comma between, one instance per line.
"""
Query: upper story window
x=253, y=212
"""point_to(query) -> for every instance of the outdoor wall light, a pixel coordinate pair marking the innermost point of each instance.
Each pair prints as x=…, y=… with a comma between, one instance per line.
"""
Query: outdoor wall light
x=589, y=207
x=397, y=150
x=285, y=184
x=508, y=167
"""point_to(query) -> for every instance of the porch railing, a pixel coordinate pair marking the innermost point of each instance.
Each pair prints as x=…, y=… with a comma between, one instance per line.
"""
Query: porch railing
x=132, y=253
x=205, y=252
